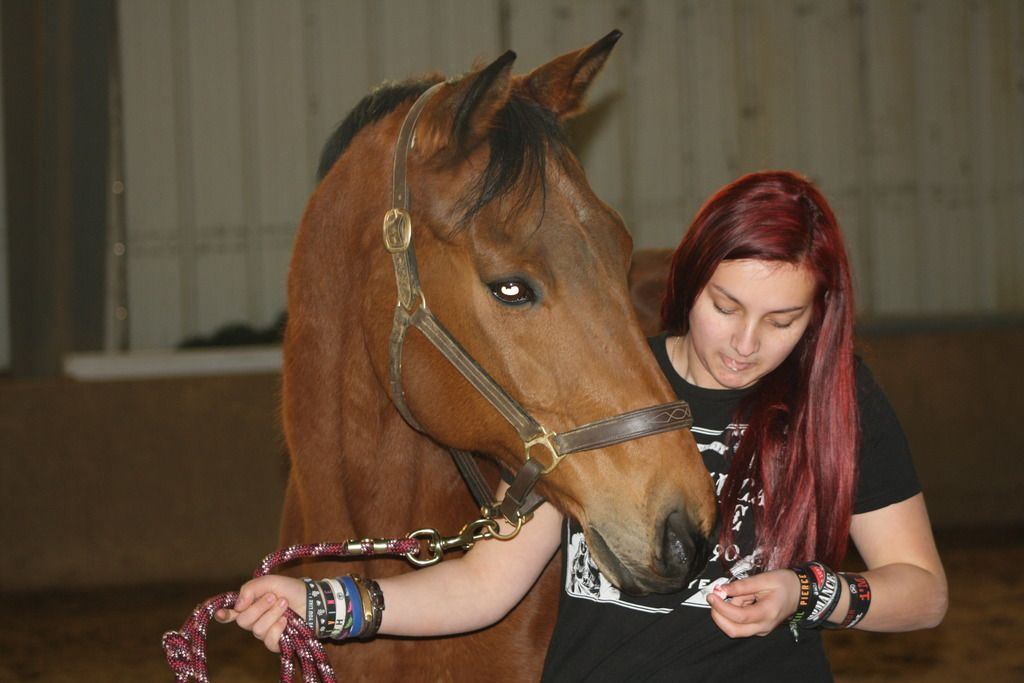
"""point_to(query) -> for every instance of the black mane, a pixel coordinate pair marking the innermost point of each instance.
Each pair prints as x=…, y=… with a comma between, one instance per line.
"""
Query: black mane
x=378, y=104
x=522, y=135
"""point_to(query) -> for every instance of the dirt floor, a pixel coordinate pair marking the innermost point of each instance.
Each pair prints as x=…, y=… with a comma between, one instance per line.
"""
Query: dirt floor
x=114, y=635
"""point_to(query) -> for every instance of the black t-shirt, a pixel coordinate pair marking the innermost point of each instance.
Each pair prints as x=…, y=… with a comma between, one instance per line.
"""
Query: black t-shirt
x=603, y=635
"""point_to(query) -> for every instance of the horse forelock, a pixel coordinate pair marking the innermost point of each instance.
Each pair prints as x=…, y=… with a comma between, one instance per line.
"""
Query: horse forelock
x=523, y=135
x=522, y=138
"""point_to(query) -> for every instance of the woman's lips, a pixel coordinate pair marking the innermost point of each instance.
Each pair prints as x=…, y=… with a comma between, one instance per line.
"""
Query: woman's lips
x=735, y=365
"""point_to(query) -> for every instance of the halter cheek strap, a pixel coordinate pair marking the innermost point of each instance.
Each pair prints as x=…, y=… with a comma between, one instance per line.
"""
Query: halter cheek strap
x=411, y=310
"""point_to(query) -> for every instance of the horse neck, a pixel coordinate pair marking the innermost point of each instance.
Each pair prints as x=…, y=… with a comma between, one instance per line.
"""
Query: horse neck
x=351, y=451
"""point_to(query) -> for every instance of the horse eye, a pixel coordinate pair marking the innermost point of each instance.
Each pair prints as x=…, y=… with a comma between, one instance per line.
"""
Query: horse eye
x=512, y=292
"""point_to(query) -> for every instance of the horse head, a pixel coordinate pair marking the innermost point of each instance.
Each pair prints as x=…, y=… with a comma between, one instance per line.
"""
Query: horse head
x=527, y=268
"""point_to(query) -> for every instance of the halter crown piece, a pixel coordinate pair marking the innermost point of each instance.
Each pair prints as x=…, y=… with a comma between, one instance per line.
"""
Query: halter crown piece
x=411, y=310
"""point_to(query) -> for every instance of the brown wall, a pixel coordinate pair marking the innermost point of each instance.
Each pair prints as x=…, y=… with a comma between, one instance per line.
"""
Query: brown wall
x=181, y=479
x=958, y=393
x=137, y=481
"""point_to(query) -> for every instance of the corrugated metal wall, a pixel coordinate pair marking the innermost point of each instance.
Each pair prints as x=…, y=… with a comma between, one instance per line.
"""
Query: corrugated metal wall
x=909, y=114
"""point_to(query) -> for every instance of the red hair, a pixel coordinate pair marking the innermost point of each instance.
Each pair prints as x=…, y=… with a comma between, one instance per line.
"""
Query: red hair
x=801, y=441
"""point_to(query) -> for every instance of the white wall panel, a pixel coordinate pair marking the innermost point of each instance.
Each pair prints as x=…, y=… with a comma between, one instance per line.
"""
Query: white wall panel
x=599, y=132
x=770, y=113
x=340, y=64
x=999, y=40
x=909, y=115
x=830, y=120
x=981, y=227
x=655, y=132
x=890, y=98
x=943, y=155
x=711, y=101
x=5, y=315
x=151, y=169
x=532, y=31
x=401, y=38
x=539, y=31
x=216, y=78
x=278, y=168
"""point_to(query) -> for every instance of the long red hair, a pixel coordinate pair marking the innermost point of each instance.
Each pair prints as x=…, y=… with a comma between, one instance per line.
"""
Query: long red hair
x=801, y=441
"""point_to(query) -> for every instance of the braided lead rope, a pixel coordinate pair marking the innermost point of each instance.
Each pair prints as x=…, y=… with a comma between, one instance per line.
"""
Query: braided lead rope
x=186, y=647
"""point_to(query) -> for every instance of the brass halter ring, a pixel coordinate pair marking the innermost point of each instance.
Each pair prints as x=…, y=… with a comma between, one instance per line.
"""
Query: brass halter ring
x=437, y=545
x=544, y=439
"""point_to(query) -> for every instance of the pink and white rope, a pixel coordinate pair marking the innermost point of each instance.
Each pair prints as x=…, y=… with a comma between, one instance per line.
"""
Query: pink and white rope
x=186, y=647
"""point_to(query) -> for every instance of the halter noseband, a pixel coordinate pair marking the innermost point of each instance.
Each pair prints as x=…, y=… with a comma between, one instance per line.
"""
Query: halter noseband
x=411, y=310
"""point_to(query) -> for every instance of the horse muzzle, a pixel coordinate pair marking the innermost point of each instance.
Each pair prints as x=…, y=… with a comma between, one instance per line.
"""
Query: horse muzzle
x=681, y=553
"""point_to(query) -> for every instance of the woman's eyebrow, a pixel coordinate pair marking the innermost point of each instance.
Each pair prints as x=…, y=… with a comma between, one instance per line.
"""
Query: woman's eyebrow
x=726, y=294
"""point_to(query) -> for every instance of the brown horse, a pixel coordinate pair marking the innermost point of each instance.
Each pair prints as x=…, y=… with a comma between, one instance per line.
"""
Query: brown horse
x=528, y=270
x=648, y=274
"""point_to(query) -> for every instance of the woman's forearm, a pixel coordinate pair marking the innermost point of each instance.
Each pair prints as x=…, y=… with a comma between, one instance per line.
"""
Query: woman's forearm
x=904, y=597
x=475, y=590
x=905, y=575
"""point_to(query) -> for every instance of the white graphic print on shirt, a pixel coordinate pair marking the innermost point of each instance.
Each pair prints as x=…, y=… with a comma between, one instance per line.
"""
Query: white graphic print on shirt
x=583, y=579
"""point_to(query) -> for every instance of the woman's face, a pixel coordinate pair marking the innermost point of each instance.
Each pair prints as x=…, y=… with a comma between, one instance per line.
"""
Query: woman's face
x=746, y=321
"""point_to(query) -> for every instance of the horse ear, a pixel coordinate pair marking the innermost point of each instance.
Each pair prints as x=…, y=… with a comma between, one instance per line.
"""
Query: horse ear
x=461, y=117
x=561, y=84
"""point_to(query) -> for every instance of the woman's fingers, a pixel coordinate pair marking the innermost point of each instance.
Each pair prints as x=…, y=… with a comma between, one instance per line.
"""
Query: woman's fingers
x=225, y=615
x=271, y=624
x=264, y=616
x=248, y=616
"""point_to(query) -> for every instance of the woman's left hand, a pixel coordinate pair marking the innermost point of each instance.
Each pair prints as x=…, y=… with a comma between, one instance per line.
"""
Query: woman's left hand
x=756, y=605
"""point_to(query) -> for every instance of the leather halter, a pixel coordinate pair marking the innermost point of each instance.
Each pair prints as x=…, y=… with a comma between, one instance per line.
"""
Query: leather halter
x=411, y=310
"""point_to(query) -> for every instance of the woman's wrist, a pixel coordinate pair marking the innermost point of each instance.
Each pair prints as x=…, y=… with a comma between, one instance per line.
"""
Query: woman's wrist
x=820, y=591
x=857, y=588
x=344, y=607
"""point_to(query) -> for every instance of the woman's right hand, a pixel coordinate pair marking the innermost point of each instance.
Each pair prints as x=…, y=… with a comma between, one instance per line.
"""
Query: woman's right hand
x=261, y=606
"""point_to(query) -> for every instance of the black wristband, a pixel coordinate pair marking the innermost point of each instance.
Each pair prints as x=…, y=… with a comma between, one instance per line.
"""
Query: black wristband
x=803, y=601
x=828, y=584
x=819, y=595
x=860, y=600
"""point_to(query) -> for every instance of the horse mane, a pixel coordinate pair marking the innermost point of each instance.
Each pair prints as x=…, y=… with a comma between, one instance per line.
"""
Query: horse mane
x=381, y=101
x=523, y=133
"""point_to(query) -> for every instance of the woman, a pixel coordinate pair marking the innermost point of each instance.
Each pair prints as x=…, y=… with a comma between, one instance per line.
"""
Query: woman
x=805, y=453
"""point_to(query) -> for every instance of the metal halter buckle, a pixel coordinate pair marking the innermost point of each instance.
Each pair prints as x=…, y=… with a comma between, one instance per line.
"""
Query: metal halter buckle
x=397, y=230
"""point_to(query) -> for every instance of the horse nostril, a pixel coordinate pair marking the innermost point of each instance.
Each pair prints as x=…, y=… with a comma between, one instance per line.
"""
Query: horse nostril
x=677, y=551
x=686, y=551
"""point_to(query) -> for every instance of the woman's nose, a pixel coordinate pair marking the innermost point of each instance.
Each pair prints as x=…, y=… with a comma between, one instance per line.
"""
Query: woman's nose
x=744, y=340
